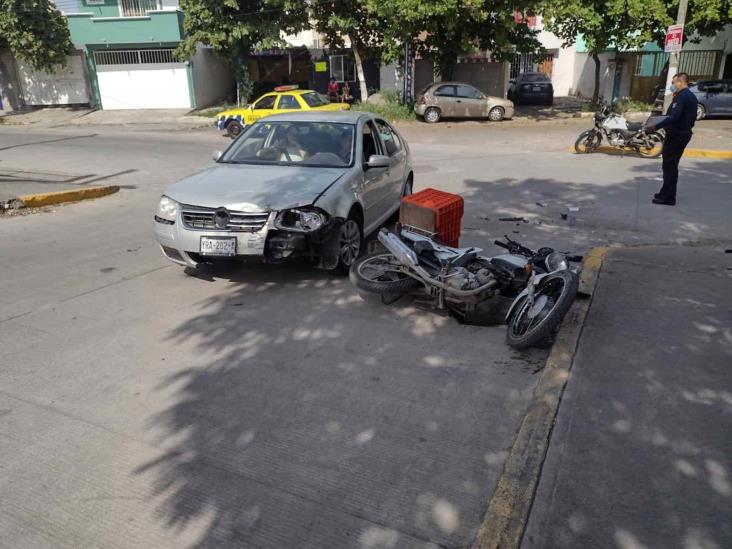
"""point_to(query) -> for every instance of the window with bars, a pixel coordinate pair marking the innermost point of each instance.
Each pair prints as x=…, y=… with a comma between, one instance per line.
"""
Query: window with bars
x=528, y=62
x=133, y=57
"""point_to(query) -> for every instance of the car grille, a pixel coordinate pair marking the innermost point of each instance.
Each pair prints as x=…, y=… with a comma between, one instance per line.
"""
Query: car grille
x=195, y=217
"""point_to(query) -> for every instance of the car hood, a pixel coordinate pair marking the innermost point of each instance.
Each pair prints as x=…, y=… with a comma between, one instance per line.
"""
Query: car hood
x=244, y=187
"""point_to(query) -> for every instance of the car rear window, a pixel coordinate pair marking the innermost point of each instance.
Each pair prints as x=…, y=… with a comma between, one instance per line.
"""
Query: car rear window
x=314, y=99
x=445, y=91
x=534, y=78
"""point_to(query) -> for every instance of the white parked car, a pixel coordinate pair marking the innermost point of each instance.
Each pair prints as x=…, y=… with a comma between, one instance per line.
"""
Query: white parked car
x=308, y=184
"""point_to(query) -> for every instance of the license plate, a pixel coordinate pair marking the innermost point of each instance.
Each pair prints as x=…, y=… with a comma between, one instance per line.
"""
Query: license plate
x=537, y=88
x=219, y=245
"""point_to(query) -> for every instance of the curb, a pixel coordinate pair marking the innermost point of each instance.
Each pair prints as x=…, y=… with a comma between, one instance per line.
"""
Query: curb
x=73, y=195
x=508, y=509
x=689, y=153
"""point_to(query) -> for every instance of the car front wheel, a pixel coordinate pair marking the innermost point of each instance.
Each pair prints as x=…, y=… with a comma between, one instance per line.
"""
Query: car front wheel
x=350, y=244
x=234, y=128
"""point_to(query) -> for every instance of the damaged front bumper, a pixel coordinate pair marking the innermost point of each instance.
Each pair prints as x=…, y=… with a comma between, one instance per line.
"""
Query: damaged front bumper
x=271, y=244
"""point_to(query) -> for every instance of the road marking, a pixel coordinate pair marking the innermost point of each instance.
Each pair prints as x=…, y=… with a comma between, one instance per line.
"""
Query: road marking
x=71, y=195
x=690, y=153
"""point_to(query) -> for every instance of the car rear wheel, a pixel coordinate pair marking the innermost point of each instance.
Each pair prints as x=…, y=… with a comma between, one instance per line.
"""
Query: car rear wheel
x=701, y=111
x=496, y=114
x=234, y=128
x=432, y=115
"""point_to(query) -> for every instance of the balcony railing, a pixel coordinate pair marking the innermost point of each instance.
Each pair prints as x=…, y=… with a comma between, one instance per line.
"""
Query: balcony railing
x=137, y=8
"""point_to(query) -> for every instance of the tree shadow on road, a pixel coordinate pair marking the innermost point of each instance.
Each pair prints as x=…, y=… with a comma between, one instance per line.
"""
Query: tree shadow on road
x=306, y=417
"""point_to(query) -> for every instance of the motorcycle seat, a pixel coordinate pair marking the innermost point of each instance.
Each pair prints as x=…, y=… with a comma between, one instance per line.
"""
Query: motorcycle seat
x=635, y=126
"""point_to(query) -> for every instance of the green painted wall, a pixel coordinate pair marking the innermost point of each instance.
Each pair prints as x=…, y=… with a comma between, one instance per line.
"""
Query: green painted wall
x=154, y=28
x=110, y=8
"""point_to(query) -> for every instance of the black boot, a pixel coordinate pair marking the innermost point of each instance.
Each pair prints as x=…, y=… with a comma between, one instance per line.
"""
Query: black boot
x=664, y=201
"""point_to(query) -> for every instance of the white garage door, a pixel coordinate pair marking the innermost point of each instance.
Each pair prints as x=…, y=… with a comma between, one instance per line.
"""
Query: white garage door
x=65, y=86
x=141, y=79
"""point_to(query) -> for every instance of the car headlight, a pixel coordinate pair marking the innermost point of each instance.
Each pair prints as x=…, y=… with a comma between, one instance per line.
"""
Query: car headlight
x=556, y=261
x=301, y=219
x=167, y=210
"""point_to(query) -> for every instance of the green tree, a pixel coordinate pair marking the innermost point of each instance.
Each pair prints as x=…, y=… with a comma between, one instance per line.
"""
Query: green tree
x=235, y=28
x=443, y=30
x=35, y=31
x=358, y=22
x=628, y=24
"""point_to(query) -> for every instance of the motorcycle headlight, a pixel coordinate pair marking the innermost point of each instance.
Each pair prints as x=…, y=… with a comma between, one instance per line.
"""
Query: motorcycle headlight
x=167, y=210
x=556, y=261
x=300, y=219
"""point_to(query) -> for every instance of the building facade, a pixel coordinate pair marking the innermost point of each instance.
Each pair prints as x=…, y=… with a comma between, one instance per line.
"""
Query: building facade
x=128, y=49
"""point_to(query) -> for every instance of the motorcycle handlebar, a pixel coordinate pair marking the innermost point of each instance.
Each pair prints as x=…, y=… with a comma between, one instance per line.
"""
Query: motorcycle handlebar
x=501, y=244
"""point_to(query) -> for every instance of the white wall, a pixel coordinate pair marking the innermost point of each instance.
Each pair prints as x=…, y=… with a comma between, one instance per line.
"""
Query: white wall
x=66, y=86
x=163, y=86
x=213, y=79
x=564, y=61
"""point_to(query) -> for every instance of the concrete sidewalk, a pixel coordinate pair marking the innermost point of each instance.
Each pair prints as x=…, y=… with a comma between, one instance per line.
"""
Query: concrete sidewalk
x=77, y=117
x=641, y=455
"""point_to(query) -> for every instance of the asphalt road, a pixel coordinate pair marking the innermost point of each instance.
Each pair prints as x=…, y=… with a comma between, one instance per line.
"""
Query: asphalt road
x=269, y=406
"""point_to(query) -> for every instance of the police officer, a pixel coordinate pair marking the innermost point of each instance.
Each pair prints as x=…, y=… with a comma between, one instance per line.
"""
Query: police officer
x=680, y=119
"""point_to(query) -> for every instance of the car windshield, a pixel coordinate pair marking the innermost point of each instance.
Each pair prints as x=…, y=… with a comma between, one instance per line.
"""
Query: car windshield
x=314, y=99
x=311, y=144
x=534, y=78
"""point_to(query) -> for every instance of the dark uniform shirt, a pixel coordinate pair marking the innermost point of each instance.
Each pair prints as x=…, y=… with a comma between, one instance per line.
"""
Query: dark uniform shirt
x=681, y=113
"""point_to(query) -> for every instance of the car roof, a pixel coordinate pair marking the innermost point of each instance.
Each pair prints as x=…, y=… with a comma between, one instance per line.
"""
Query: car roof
x=338, y=117
x=453, y=83
x=295, y=92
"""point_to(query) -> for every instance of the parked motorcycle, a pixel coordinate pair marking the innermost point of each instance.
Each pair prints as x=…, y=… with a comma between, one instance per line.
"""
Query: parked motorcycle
x=620, y=134
x=462, y=281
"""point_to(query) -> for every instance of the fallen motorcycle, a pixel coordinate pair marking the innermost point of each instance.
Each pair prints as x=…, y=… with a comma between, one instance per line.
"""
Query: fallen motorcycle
x=620, y=134
x=461, y=281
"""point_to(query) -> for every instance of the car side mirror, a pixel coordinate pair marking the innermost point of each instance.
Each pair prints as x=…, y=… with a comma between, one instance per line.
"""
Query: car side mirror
x=217, y=155
x=377, y=161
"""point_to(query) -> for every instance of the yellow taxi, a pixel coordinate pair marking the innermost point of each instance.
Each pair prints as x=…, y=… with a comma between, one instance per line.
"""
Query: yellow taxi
x=283, y=99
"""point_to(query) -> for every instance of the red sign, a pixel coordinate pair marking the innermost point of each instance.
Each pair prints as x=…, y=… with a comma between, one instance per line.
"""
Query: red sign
x=674, y=38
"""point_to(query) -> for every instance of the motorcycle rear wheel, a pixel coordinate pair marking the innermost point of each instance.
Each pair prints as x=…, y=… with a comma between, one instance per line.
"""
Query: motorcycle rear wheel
x=587, y=142
x=654, y=152
x=379, y=273
x=530, y=326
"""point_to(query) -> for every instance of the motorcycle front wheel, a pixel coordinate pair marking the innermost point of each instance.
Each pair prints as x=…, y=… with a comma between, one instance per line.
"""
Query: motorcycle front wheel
x=380, y=273
x=533, y=324
x=655, y=140
x=587, y=142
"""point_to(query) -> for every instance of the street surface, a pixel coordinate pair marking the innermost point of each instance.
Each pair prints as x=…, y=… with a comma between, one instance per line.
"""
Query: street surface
x=268, y=406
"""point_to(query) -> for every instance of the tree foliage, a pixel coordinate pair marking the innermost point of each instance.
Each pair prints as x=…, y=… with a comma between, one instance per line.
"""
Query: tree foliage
x=443, y=30
x=35, y=31
x=628, y=24
x=235, y=28
x=356, y=21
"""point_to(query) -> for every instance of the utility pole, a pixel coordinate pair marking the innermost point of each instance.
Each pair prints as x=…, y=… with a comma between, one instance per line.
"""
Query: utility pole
x=673, y=60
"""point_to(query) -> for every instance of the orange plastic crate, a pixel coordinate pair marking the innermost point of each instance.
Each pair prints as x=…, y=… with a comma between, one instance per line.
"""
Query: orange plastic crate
x=436, y=212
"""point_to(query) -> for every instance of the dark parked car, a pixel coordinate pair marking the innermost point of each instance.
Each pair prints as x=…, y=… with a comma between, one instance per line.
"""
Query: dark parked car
x=714, y=96
x=531, y=87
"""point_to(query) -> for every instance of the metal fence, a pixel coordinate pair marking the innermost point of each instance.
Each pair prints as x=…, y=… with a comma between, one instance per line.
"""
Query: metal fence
x=133, y=57
x=531, y=62
x=137, y=8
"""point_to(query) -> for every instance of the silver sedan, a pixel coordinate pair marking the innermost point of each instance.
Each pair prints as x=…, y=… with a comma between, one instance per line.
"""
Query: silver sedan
x=309, y=184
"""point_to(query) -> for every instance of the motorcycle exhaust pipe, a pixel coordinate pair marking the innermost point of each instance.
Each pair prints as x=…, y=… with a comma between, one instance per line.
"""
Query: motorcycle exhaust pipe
x=398, y=249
